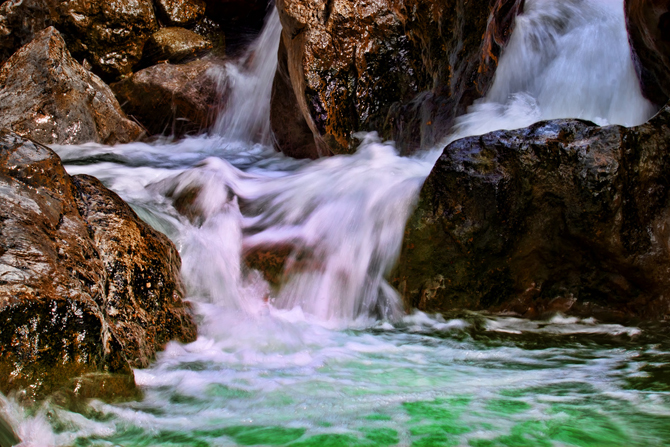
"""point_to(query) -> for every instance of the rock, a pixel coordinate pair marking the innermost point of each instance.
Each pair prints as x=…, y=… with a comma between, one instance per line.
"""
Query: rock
x=173, y=99
x=405, y=69
x=561, y=216
x=7, y=436
x=20, y=20
x=180, y=12
x=47, y=96
x=648, y=23
x=174, y=45
x=110, y=34
x=87, y=290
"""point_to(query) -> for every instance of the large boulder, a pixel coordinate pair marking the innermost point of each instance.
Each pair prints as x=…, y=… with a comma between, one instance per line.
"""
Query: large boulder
x=648, y=23
x=561, y=216
x=87, y=290
x=46, y=95
x=109, y=34
x=174, y=99
x=403, y=68
x=174, y=45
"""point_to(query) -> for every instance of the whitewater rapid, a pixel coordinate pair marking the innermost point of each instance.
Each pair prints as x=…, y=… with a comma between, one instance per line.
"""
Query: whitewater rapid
x=331, y=357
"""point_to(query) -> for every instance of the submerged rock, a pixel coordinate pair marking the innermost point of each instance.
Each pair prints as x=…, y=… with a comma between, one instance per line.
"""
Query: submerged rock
x=561, y=216
x=174, y=45
x=405, y=69
x=173, y=99
x=47, y=96
x=180, y=12
x=87, y=290
x=648, y=23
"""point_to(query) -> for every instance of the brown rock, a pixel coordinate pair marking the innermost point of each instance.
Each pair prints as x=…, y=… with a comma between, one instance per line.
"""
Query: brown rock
x=180, y=12
x=20, y=20
x=173, y=99
x=648, y=23
x=87, y=290
x=110, y=34
x=174, y=45
x=403, y=68
x=46, y=95
x=561, y=216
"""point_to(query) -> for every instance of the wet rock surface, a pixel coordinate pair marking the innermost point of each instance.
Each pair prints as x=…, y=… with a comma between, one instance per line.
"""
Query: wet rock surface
x=20, y=20
x=87, y=290
x=648, y=23
x=561, y=216
x=174, y=45
x=173, y=99
x=403, y=68
x=46, y=95
x=180, y=12
x=109, y=34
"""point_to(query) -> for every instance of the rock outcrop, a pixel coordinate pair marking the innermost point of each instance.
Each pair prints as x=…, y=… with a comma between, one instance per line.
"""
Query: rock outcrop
x=561, y=216
x=403, y=68
x=47, y=96
x=174, y=99
x=87, y=290
x=648, y=23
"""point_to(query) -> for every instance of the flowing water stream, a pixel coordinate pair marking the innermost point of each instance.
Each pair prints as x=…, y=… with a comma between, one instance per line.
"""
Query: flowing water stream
x=330, y=358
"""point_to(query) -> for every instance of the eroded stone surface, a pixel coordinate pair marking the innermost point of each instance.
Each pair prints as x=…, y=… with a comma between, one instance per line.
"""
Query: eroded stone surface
x=648, y=23
x=405, y=68
x=47, y=96
x=86, y=287
x=173, y=99
x=561, y=216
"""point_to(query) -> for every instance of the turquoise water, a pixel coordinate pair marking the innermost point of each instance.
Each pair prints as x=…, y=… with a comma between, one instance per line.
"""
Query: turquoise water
x=329, y=358
x=473, y=380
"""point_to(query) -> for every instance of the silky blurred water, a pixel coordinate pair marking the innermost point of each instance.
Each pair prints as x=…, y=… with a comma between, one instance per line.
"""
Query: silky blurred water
x=329, y=357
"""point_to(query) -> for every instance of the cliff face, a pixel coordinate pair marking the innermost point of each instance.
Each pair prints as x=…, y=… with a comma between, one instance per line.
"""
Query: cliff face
x=404, y=68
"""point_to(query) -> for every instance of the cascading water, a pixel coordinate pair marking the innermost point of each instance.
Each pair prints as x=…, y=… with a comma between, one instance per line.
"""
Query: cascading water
x=329, y=359
x=565, y=59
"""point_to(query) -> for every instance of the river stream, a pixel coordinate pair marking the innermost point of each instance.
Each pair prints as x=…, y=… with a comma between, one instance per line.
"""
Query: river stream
x=331, y=358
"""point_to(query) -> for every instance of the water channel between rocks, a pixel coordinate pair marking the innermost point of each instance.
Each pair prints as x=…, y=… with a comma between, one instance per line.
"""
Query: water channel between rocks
x=330, y=358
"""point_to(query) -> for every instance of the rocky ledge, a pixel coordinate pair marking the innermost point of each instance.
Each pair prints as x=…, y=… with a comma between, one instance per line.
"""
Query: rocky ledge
x=561, y=216
x=87, y=290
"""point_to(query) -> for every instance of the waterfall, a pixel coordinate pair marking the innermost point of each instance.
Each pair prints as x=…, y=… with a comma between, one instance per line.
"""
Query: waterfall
x=565, y=59
x=249, y=84
x=342, y=218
